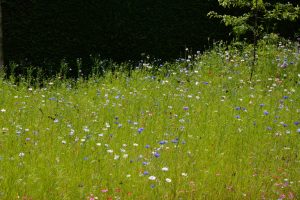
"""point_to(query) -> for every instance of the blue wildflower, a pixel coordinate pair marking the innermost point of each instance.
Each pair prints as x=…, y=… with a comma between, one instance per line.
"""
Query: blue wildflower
x=266, y=112
x=145, y=163
x=269, y=128
x=296, y=123
x=238, y=108
x=175, y=141
x=163, y=142
x=140, y=130
x=156, y=154
x=285, y=97
x=261, y=105
x=238, y=117
x=185, y=108
x=146, y=173
x=147, y=146
x=52, y=99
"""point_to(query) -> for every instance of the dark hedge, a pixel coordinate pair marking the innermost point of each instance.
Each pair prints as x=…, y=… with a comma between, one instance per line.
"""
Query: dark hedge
x=43, y=32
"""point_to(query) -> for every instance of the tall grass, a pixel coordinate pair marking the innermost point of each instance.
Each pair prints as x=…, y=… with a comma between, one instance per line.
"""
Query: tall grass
x=194, y=129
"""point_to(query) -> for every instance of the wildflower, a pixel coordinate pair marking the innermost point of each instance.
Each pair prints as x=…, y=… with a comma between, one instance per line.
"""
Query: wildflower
x=152, y=178
x=110, y=151
x=296, y=123
x=64, y=142
x=298, y=130
x=269, y=128
x=52, y=99
x=185, y=108
x=238, y=117
x=104, y=190
x=168, y=180
x=145, y=163
x=175, y=141
x=3, y=110
x=156, y=154
x=21, y=154
x=163, y=142
x=285, y=97
x=72, y=131
x=266, y=112
x=56, y=121
x=165, y=169
x=146, y=173
x=116, y=157
x=147, y=146
x=122, y=150
x=184, y=174
x=140, y=130
x=261, y=105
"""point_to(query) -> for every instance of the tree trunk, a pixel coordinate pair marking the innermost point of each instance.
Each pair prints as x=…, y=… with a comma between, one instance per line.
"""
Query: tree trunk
x=1, y=39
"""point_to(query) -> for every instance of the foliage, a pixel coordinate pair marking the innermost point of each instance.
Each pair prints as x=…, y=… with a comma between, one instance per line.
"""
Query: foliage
x=255, y=15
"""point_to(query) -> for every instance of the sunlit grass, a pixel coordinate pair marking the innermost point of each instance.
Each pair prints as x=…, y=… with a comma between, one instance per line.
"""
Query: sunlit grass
x=200, y=130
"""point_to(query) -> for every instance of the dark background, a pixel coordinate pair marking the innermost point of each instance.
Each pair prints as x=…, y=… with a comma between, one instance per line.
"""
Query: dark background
x=43, y=32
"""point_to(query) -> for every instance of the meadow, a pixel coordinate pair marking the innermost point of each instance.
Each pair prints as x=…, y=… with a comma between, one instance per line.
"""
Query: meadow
x=198, y=128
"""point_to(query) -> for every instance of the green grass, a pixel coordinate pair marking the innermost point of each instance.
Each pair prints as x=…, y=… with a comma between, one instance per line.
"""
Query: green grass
x=219, y=135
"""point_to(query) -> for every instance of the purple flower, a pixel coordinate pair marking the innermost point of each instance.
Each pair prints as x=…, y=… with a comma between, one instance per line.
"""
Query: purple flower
x=269, y=128
x=163, y=142
x=285, y=97
x=147, y=146
x=266, y=112
x=140, y=130
x=185, y=108
x=145, y=163
x=261, y=105
x=296, y=123
x=52, y=99
x=175, y=141
x=146, y=173
x=156, y=154
x=238, y=117
x=238, y=108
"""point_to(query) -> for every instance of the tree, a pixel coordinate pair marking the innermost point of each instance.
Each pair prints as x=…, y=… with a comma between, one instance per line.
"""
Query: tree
x=254, y=17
